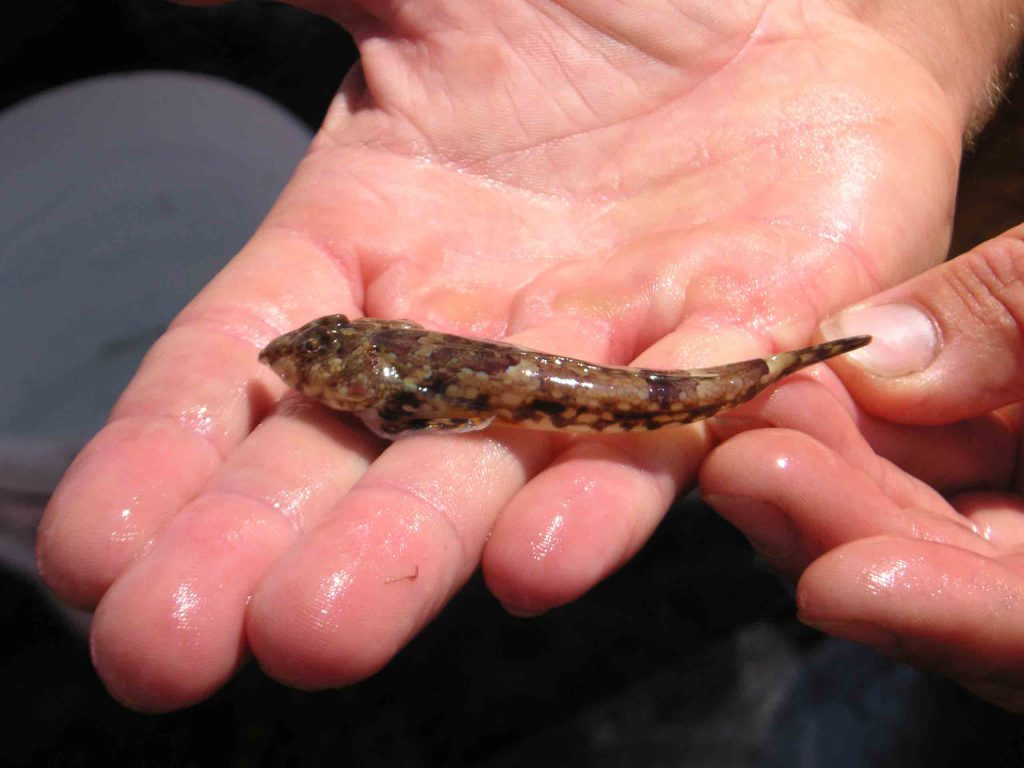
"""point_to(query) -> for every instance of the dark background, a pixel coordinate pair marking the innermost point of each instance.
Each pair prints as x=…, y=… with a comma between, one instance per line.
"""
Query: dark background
x=689, y=656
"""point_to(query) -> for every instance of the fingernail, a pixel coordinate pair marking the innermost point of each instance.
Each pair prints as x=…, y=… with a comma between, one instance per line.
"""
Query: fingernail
x=768, y=529
x=904, y=338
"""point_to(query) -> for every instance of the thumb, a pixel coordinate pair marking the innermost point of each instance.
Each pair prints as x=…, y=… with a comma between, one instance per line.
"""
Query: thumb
x=947, y=345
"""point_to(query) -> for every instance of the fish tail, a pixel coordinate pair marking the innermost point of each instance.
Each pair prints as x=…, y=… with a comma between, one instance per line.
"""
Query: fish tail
x=786, y=363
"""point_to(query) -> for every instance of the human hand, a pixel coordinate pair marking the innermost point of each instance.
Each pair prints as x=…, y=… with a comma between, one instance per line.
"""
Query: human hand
x=669, y=185
x=845, y=502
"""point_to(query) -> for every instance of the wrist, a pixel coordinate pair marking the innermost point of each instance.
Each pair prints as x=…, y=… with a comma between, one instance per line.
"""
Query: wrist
x=967, y=46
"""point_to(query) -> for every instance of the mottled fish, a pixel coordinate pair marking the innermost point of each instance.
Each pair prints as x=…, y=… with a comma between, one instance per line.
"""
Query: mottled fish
x=401, y=378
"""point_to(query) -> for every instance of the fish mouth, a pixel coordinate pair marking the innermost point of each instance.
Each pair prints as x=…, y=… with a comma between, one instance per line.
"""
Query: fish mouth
x=269, y=355
x=278, y=356
x=276, y=349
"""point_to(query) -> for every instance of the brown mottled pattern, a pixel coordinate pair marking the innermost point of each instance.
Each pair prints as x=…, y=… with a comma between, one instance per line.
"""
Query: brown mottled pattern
x=401, y=378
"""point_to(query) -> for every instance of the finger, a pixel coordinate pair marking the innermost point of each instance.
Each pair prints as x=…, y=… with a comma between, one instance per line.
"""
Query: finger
x=947, y=344
x=197, y=394
x=586, y=515
x=170, y=631
x=934, y=604
x=796, y=499
x=975, y=453
x=342, y=601
x=999, y=517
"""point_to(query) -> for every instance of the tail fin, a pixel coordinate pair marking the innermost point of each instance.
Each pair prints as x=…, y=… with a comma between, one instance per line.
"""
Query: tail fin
x=786, y=363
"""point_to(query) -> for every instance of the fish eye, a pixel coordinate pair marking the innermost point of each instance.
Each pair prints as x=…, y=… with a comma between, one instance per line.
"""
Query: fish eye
x=311, y=344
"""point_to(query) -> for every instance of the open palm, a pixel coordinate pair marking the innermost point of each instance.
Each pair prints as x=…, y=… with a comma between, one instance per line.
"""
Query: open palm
x=665, y=184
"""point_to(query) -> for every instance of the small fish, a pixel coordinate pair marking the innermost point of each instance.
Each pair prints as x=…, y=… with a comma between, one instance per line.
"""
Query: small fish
x=400, y=378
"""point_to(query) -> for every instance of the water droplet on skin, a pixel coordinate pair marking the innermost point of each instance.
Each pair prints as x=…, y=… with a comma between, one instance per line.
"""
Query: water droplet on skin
x=549, y=538
x=126, y=530
x=335, y=586
x=186, y=601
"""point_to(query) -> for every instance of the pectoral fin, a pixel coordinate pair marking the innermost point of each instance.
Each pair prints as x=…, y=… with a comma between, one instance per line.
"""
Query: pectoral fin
x=391, y=428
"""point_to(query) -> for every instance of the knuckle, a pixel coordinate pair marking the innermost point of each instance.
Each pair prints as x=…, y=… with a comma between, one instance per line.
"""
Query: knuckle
x=989, y=282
